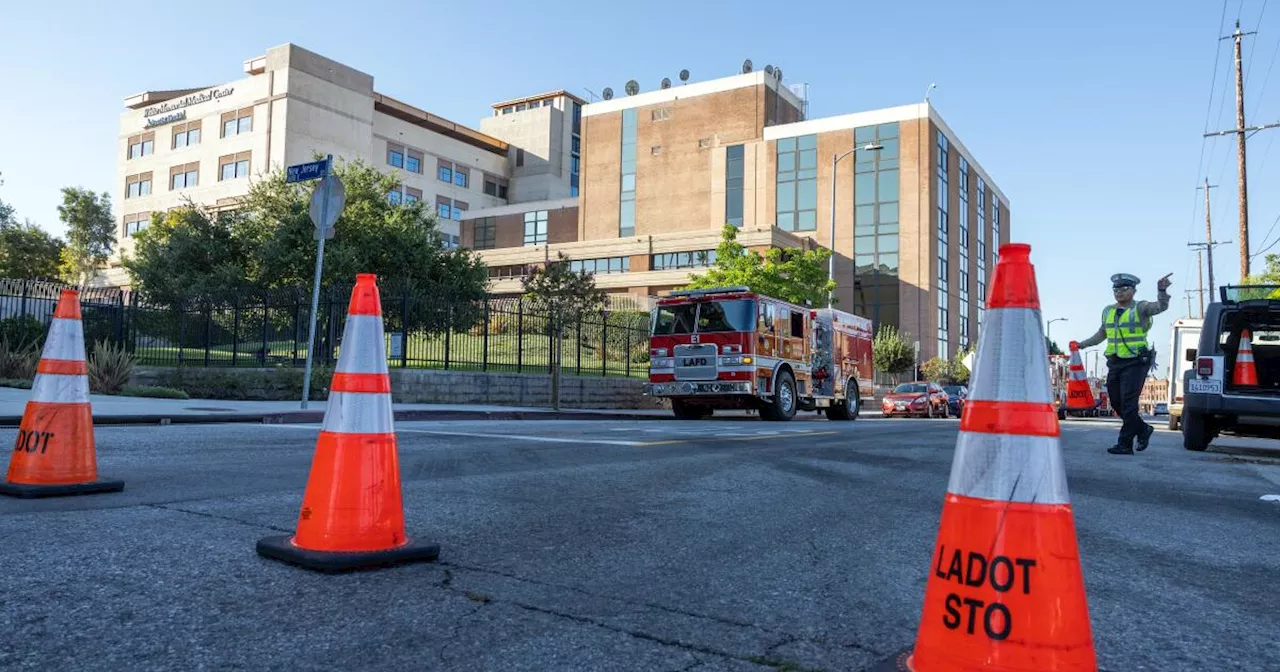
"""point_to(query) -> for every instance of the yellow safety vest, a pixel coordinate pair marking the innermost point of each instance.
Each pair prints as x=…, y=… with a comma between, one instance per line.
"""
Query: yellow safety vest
x=1126, y=336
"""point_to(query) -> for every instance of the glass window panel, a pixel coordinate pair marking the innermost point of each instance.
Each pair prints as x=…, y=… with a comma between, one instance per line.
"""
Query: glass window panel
x=228, y=171
x=786, y=177
x=807, y=174
x=887, y=243
x=808, y=159
x=229, y=127
x=442, y=210
x=179, y=140
x=864, y=261
x=786, y=197
x=246, y=124
x=193, y=136
x=864, y=189
x=786, y=145
x=396, y=159
x=444, y=173
x=786, y=162
x=807, y=194
x=628, y=214
x=889, y=130
x=864, y=215
x=864, y=244
x=864, y=135
x=460, y=179
x=888, y=212
x=888, y=190
x=808, y=221
x=629, y=182
x=889, y=262
x=628, y=155
x=890, y=150
x=787, y=221
x=412, y=165
x=807, y=142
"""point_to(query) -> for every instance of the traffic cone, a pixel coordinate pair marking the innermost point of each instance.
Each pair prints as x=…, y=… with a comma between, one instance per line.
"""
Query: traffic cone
x=1079, y=394
x=352, y=516
x=1004, y=590
x=1246, y=372
x=54, y=454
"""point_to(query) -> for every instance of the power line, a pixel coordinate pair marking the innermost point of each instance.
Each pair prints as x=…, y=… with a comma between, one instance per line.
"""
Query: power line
x=1213, y=85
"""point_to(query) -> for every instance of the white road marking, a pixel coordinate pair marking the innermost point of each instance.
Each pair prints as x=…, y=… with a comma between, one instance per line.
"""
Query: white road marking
x=1271, y=498
x=523, y=437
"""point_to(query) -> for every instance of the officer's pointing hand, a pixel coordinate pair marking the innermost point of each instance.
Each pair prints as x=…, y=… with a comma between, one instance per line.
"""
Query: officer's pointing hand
x=1163, y=283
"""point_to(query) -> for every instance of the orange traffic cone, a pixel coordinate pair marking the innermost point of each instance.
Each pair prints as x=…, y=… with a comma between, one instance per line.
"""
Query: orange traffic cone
x=1246, y=372
x=1079, y=394
x=352, y=516
x=55, y=453
x=1005, y=591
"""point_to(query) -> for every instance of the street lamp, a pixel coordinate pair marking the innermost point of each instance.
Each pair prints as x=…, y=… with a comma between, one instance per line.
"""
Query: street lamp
x=831, y=261
x=1049, y=327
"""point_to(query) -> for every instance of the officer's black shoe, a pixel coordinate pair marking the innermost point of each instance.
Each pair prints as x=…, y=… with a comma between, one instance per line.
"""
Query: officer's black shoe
x=1120, y=450
x=1145, y=438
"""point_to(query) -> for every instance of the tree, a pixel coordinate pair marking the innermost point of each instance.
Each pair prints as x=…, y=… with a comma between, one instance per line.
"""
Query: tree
x=793, y=274
x=26, y=250
x=91, y=232
x=564, y=292
x=189, y=252
x=946, y=372
x=1052, y=346
x=891, y=352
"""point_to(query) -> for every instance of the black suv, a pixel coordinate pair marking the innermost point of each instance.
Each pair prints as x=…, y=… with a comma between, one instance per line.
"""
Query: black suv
x=1213, y=403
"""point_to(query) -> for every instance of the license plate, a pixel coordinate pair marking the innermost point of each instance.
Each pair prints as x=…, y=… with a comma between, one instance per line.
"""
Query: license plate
x=1204, y=386
x=899, y=406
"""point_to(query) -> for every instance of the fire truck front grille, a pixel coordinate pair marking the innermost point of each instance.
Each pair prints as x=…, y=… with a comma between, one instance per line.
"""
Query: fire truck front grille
x=695, y=362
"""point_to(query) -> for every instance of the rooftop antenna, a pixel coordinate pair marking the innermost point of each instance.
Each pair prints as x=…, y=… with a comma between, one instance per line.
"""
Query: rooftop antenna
x=633, y=87
x=608, y=93
x=666, y=82
x=746, y=66
x=777, y=72
x=591, y=95
x=929, y=91
x=768, y=70
x=684, y=75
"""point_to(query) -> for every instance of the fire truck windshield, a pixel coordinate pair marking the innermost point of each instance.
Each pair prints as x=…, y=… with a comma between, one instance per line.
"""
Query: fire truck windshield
x=705, y=317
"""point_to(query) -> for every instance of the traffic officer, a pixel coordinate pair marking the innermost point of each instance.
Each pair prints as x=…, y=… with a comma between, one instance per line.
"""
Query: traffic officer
x=1125, y=324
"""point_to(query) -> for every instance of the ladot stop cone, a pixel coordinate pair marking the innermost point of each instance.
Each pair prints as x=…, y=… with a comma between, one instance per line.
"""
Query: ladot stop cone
x=352, y=516
x=1005, y=591
x=55, y=454
x=1079, y=394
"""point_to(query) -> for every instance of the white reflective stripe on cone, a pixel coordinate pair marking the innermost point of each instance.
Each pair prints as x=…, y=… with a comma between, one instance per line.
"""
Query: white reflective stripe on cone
x=1012, y=362
x=358, y=413
x=1009, y=468
x=65, y=340
x=363, y=348
x=52, y=388
x=1077, y=375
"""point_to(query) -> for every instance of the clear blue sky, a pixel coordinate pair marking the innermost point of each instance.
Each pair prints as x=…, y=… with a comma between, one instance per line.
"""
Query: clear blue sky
x=1089, y=115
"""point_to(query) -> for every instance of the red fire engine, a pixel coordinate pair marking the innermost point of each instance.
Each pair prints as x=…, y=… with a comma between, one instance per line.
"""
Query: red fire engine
x=732, y=348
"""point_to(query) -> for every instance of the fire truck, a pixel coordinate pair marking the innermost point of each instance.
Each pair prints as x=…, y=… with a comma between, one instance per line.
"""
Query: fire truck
x=732, y=348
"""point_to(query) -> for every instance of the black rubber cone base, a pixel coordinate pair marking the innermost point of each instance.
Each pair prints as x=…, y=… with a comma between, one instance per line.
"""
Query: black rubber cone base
x=280, y=548
x=896, y=663
x=24, y=491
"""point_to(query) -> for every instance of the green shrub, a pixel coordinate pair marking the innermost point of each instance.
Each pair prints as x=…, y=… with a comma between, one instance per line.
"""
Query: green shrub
x=240, y=384
x=153, y=391
x=22, y=331
x=110, y=367
x=12, y=382
x=18, y=361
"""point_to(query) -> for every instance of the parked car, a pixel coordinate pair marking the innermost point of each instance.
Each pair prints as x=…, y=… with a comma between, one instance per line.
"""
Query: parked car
x=1216, y=399
x=1161, y=408
x=956, y=396
x=919, y=398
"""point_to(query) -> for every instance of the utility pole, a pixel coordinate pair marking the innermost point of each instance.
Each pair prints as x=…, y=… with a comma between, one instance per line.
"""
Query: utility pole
x=1208, y=232
x=1200, y=272
x=1242, y=133
x=1207, y=247
x=1190, y=293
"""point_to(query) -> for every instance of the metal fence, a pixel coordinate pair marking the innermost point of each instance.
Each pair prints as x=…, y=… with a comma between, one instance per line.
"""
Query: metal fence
x=425, y=328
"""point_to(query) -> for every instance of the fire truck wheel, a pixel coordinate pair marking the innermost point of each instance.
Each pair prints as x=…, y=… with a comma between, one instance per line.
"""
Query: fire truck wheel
x=686, y=411
x=783, y=405
x=846, y=410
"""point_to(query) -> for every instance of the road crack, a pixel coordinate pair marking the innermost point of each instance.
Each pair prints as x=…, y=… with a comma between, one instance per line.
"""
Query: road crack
x=217, y=517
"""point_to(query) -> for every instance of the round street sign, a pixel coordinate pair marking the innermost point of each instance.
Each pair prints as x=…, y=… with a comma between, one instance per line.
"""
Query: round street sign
x=329, y=190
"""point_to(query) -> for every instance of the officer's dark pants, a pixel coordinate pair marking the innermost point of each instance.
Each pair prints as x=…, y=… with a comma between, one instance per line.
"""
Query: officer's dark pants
x=1125, y=378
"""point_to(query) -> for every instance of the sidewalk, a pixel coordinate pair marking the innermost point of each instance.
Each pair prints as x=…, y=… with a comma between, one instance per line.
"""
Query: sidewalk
x=110, y=410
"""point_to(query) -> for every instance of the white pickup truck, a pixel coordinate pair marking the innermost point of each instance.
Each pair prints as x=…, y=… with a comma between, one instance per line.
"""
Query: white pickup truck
x=1186, y=336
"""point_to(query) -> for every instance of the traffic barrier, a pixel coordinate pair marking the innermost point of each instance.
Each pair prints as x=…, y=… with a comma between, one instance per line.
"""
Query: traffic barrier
x=1005, y=590
x=352, y=516
x=54, y=454
x=1245, y=372
x=1079, y=394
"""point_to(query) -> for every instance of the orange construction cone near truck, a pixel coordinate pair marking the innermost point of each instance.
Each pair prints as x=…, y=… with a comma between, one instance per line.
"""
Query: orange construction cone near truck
x=352, y=516
x=1246, y=372
x=1004, y=590
x=55, y=454
x=1079, y=394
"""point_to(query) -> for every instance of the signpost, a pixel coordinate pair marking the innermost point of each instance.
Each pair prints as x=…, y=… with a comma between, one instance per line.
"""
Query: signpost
x=327, y=201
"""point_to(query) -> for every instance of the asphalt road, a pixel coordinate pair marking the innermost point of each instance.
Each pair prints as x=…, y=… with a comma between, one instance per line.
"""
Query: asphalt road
x=589, y=545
